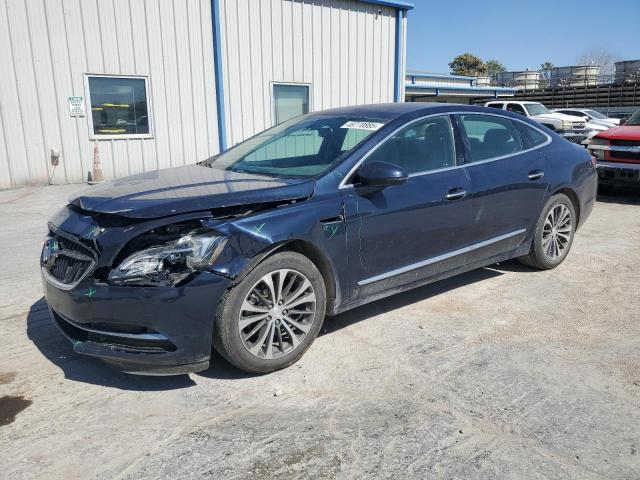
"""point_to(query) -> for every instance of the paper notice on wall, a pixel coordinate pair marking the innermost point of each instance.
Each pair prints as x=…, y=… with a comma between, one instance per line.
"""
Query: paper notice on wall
x=373, y=126
x=76, y=106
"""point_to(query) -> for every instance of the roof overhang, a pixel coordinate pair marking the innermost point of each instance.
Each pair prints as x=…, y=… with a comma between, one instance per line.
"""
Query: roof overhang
x=470, y=90
x=391, y=3
x=438, y=76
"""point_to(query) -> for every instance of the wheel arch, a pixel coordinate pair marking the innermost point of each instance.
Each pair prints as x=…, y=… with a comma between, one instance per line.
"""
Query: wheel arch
x=314, y=254
x=573, y=196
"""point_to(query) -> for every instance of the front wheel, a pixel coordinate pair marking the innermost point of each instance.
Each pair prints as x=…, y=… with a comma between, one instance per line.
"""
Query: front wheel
x=554, y=234
x=268, y=320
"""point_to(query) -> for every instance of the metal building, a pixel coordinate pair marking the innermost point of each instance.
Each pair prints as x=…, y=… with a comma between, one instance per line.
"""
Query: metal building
x=152, y=84
x=435, y=87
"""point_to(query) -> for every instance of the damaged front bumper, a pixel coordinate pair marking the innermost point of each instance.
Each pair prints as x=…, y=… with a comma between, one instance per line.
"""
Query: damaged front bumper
x=142, y=330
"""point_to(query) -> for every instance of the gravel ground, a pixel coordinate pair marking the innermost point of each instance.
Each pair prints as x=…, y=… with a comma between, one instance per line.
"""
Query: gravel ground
x=499, y=373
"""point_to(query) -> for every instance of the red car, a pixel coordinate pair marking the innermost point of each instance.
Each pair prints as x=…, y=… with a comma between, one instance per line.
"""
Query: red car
x=617, y=151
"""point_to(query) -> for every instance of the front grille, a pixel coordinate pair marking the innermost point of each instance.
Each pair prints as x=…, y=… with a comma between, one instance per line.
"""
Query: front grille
x=578, y=125
x=626, y=143
x=633, y=156
x=66, y=260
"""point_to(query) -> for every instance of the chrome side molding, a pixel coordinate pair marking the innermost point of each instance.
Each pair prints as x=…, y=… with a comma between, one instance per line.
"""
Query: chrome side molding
x=439, y=258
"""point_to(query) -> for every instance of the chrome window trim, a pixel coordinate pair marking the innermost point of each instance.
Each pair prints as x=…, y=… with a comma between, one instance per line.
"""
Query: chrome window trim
x=439, y=258
x=347, y=177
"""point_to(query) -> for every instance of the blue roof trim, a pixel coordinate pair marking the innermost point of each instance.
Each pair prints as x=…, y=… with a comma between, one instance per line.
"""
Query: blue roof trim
x=217, y=65
x=397, y=87
x=438, y=75
x=471, y=88
x=391, y=3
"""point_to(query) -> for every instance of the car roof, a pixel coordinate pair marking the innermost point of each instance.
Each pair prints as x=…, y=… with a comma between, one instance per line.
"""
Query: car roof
x=387, y=112
x=383, y=111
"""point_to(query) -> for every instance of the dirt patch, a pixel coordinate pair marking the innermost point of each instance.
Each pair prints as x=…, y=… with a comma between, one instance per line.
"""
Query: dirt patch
x=10, y=407
x=7, y=377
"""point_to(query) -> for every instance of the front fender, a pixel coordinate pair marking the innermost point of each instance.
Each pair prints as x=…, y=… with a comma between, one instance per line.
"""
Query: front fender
x=318, y=222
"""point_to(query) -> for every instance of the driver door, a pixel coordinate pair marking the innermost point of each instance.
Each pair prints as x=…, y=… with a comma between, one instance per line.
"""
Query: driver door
x=400, y=234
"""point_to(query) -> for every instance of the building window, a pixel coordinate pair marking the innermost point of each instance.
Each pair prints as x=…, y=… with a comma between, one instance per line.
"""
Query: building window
x=289, y=100
x=119, y=106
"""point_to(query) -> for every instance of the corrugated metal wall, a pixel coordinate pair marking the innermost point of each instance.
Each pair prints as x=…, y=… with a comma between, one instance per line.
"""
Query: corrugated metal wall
x=344, y=48
x=47, y=48
x=437, y=81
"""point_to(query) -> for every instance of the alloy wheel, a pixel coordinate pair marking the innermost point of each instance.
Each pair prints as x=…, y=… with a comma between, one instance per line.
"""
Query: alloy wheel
x=277, y=314
x=557, y=231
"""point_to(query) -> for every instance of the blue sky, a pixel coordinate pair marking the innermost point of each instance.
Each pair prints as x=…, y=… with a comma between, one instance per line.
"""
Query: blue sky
x=520, y=34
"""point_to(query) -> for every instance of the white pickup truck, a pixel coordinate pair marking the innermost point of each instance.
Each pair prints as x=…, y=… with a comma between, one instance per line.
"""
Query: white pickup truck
x=572, y=128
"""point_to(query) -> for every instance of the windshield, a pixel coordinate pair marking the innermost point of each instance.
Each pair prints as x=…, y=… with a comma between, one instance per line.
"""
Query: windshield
x=301, y=147
x=634, y=120
x=536, y=109
x=594, y=114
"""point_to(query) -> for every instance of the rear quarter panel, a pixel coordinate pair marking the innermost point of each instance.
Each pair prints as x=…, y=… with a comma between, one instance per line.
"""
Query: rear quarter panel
x=570, y=168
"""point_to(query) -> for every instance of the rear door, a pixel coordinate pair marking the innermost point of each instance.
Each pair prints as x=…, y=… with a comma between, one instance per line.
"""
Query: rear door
x=508, y=181
x=408, y=232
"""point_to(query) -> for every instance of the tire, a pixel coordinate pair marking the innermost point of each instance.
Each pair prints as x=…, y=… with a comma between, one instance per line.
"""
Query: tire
x=545, y=254
x=262, y=351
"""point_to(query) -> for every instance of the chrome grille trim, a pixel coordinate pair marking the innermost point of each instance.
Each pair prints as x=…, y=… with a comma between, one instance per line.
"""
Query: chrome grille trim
x=69, y=263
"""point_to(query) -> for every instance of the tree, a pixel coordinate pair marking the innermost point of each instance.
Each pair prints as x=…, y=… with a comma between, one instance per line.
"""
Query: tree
x=601, y=57
x=494, y=68
x=468, y=64
x=545, y=74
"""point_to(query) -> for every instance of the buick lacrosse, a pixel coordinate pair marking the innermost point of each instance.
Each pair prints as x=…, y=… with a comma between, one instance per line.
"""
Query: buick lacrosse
x=248, y=251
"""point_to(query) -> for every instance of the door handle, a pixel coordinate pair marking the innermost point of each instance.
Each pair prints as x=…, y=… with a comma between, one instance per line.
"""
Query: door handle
x=536, y=174
x=456, y=194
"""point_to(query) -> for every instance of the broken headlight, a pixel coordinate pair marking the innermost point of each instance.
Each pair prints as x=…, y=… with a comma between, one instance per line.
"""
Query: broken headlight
x=170, y=263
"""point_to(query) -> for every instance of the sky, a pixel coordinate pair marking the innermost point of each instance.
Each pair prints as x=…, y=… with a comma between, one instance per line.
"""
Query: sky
x=520, y=34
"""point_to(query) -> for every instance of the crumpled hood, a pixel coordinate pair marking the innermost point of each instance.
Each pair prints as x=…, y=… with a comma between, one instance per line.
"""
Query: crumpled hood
x=187, y=189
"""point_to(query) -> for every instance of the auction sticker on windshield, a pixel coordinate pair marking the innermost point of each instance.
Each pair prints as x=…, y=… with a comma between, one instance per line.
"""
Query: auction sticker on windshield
x=373, y=126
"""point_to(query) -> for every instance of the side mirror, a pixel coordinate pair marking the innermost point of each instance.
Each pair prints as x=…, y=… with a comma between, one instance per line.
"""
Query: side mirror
x=381, y=174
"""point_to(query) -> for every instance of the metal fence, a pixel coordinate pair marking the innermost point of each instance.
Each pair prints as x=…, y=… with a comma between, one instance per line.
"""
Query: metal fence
x=571, y=81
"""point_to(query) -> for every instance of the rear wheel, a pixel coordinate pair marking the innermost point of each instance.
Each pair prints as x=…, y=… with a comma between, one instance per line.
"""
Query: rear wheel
x=273, y=315
x=554, y=234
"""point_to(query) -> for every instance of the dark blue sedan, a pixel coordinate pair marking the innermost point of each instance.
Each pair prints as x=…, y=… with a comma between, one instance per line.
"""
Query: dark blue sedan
x=250, y=250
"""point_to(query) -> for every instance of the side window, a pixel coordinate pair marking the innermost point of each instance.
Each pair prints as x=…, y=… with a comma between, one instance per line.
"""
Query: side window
x=496, y=105
x=302, y=143
x=422, y=146
x=516, y=108
x=490, y=136
x=533, y=137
